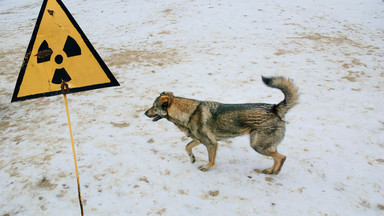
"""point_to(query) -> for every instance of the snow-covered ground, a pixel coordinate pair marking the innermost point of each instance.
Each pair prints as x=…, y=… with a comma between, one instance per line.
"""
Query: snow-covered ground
x=208, y=50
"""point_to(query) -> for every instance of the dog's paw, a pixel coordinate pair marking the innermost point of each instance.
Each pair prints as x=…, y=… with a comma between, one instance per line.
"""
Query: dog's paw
x=269, y=171
x=192, y=158
x=203, y=168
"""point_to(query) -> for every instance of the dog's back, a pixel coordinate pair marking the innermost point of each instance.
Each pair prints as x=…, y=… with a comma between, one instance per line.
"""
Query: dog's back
x=230, y=120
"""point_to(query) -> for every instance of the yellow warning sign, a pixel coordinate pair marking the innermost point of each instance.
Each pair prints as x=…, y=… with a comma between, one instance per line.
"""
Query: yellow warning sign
x=59, y=51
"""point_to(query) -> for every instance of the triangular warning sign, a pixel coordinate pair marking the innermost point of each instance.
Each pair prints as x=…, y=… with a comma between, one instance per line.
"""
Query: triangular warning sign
x=59, y=51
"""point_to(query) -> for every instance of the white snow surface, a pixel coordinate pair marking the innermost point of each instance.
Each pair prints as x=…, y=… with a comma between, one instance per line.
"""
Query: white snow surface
x=207, y=50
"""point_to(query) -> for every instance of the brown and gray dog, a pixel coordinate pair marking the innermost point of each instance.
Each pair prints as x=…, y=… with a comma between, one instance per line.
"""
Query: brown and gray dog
x=207, y=122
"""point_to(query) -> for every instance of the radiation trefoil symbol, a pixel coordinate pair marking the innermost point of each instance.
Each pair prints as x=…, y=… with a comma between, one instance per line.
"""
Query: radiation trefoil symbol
x=45, y=53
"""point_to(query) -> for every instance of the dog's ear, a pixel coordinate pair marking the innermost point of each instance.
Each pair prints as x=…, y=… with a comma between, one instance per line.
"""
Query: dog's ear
x=167, y=93
x=165, y=101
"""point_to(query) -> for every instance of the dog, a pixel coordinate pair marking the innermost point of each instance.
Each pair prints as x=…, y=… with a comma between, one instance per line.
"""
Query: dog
x=208, y=122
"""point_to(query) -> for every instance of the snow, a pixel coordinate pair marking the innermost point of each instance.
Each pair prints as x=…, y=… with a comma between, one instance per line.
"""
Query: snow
x=208, y=50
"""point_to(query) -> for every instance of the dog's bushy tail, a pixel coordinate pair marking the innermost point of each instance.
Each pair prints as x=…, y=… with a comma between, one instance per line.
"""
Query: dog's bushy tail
x=290, y=91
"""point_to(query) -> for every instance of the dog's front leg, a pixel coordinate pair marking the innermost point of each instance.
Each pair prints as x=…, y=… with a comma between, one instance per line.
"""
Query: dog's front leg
x=201, y=131
x=189, y=147
x=212, y=148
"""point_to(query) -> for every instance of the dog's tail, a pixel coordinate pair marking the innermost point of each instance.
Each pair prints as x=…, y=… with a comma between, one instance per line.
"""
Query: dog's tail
x=290, y=91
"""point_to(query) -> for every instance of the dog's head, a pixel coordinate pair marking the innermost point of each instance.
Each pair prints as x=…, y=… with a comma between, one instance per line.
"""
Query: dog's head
x=160, y=107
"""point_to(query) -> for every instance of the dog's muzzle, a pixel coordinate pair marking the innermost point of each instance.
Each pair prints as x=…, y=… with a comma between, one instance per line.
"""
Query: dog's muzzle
x=154, y=117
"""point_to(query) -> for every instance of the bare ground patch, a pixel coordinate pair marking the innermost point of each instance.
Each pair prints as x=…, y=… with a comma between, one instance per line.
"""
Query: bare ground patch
x=120, y=58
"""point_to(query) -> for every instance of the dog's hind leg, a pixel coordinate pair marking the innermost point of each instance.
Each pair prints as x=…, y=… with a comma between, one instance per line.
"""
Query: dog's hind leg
x=278, y=161
x=189, y=148
x=266, y=144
